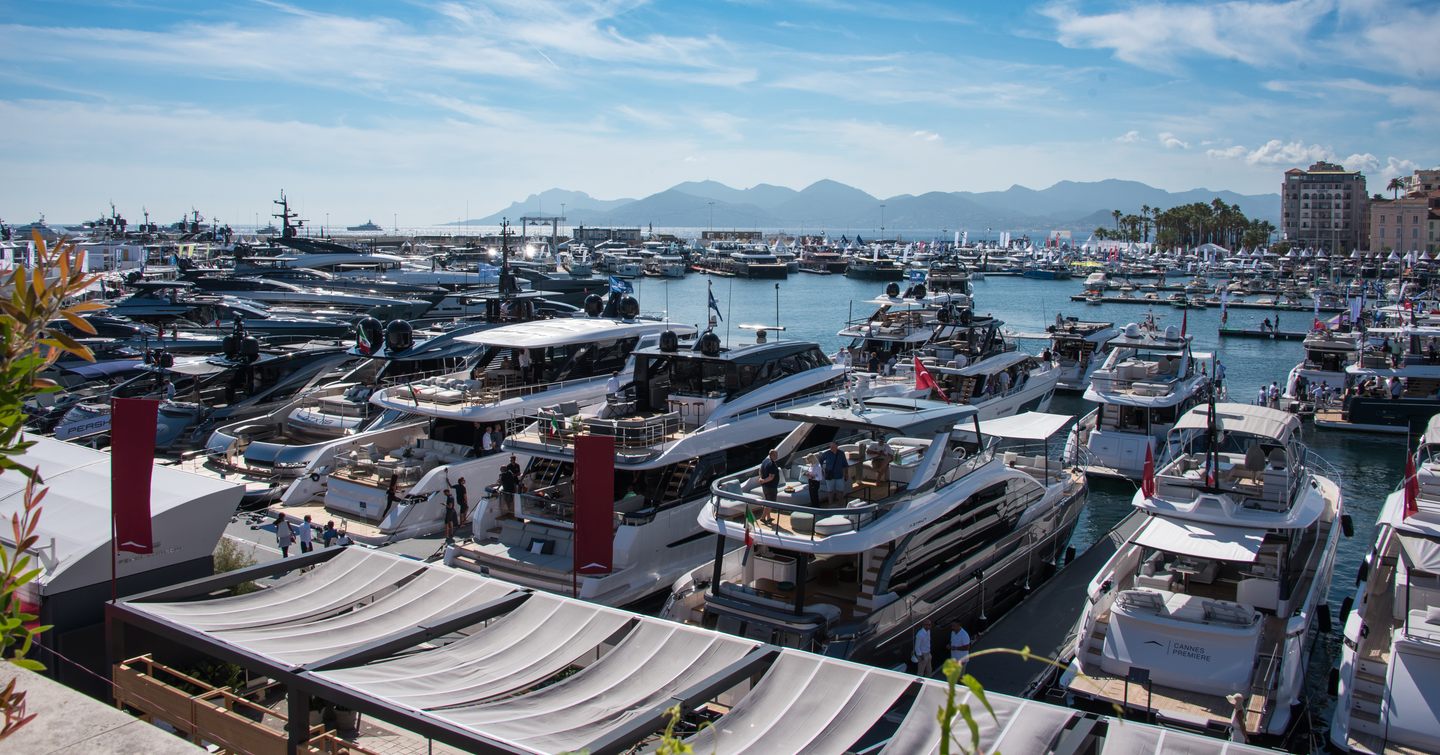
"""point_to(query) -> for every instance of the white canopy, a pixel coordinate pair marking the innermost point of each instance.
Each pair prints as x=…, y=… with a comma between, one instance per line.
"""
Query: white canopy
x=1244, y=419
x=1421, y=553
x=1201, y=540
x=188, y=514
x=1028, y=426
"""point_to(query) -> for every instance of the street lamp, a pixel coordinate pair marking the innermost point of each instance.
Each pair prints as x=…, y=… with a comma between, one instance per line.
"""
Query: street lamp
x=882, y=222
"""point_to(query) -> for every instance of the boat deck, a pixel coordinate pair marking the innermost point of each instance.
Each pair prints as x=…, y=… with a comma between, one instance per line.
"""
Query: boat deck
x=1334, y=419
x=1192, y=709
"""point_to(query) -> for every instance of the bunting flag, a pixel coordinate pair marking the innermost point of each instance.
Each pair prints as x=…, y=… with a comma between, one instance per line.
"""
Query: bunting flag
x=1412, y=487
x=924, y=381
x=132, y=459
x=1147, y=479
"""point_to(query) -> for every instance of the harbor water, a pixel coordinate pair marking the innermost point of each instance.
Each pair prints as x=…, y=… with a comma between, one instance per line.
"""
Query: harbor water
x=811, y=307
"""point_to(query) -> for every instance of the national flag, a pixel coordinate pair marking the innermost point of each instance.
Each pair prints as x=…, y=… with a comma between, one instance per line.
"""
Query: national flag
x=714, y=305
x=1147, y=478
x=1412, y=487
x=924, y=381
x=749, y=524
x=363, y=344
x=620, y=286
x=132, y=458
x=916, y=275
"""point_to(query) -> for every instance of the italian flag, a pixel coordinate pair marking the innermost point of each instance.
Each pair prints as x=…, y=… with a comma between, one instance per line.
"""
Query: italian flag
x=749, y=523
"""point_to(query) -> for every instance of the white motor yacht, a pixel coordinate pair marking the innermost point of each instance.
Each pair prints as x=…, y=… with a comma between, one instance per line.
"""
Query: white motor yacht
x=1327, y=354
x=1149, y=380
x=904, y=321
x=570, y=360
x=944, y=527
x=1204, y=617
x=1078, y=349
x=1389, y=675
x=689, y=416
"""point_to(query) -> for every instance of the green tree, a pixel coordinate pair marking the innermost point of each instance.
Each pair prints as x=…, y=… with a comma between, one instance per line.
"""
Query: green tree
x=1396, y=185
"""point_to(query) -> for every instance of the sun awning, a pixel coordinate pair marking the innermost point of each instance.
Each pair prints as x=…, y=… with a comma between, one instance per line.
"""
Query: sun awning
x=987, y=366
x=805, y=703
x=198, y=367
x=1028, y=426
x=1421, y=553
x=1018, y=725
x=1202, y=540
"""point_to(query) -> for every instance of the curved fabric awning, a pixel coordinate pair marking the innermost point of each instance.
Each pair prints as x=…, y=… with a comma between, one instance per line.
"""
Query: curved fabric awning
x=1202, y=540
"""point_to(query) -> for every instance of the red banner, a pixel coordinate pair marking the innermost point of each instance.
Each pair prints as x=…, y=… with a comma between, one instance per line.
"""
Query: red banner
x=132, y=457
x=594, y=504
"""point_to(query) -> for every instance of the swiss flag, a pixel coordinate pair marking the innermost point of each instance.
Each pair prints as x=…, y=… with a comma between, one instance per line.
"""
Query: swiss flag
x=1412, y=488
x=1147, y=478
x=924, y=381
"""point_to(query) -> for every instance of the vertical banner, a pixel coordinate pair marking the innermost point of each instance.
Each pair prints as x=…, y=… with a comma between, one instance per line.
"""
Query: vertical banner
x=594, y=503
x=132, y=457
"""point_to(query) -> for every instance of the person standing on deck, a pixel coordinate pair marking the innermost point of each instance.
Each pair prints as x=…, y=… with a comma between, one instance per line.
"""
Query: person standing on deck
x=920, y=656
x=284, y=535
x=959, y=642
x=833, y=462
x=770, y=477
x=306, y=535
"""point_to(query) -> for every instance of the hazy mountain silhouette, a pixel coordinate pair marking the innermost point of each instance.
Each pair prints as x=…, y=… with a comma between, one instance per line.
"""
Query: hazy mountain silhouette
x=1079, y=206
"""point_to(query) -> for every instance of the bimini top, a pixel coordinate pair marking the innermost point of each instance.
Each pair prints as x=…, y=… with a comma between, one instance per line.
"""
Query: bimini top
x=1432, y=432
x=1243, y=419
x=886, y=414
x=987, y=366
x=1136, y=338
x=567, y=330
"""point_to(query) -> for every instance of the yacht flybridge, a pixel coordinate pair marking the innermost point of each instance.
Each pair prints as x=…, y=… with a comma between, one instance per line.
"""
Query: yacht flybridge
x=689, y=416
x=517, y=370
x=1079, y=348
x=1149, y=380
x=943, y=522
x=901, y=324
x=1390, y=658
x=1212, y=601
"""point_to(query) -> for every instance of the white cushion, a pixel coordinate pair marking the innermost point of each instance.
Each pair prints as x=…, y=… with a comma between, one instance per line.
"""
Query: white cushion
x=834, y=524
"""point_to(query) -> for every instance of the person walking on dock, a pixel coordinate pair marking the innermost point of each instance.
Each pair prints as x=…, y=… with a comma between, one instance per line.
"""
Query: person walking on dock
x=284, y=535
x=306, y=535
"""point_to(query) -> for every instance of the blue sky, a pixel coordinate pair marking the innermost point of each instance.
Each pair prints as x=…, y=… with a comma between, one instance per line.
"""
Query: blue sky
x=422, y=109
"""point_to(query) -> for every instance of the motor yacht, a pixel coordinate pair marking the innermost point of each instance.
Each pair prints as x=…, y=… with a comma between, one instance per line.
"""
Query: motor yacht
x=1149, y=380
x=757, y=261
x=1384, y=394
x=947, y=526
x=688, y=416
x=1327, y=354
x=904, y=321
x=1204, y=617
x=874, y=267
x=1078, y=348
x=570, y=362
x=1389, y=670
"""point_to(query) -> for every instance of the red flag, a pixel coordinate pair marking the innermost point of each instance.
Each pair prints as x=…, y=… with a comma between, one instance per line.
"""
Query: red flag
x=1147, y=479
x=924, y=381
x=594, y=504
x=1184, y=321
x=1412, y=487
x=132, y=457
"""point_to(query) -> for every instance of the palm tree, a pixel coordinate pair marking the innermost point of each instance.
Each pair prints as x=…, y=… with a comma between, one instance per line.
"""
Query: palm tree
x=1116, y=214
x=1396, y=184
x=1145, y=210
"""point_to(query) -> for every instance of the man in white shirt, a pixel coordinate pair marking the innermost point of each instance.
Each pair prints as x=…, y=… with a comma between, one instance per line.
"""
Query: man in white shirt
x=306, y=535
x=525, y=365
x=487, y=443
x=959, y=642
x=921, y=655
x=612, y=386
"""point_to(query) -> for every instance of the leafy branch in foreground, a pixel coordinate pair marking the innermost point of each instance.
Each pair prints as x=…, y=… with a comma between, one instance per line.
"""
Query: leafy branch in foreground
x=954, y=674
x=29, y=343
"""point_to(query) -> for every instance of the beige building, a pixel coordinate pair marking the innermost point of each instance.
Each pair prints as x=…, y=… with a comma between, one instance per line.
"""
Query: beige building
x=1324, y=206
x=1412, y=222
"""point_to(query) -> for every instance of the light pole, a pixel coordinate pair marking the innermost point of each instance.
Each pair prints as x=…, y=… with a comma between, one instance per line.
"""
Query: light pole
x=882, y=222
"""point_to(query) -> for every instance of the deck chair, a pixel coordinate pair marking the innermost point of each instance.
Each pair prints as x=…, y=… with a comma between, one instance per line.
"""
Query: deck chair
x=1254, y=461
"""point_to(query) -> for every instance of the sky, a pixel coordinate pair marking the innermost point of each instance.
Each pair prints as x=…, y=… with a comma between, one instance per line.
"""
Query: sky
x=418, y=112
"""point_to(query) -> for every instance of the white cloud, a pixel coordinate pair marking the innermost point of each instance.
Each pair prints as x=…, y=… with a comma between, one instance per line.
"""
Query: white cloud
x=1277, y=152
x=1171, y=141
x=929, y=136
x=1157, y=35
x=1230, y=153
x=1130, y=137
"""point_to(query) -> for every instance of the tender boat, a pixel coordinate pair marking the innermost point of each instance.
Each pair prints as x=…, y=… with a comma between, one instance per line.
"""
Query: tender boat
x=1204, y=619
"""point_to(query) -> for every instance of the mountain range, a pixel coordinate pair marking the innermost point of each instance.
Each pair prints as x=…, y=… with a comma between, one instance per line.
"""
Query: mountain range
x=1078, y=206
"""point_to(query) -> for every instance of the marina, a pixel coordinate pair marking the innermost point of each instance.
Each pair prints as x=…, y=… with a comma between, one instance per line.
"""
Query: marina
x=410, y=405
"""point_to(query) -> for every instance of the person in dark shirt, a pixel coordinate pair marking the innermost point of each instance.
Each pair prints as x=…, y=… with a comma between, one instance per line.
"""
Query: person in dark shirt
x=770, y=477
x=450, y=517
x=391, y=496
x=874, y=363
x=833, y=464
x=509, y=481
x=462, y=499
